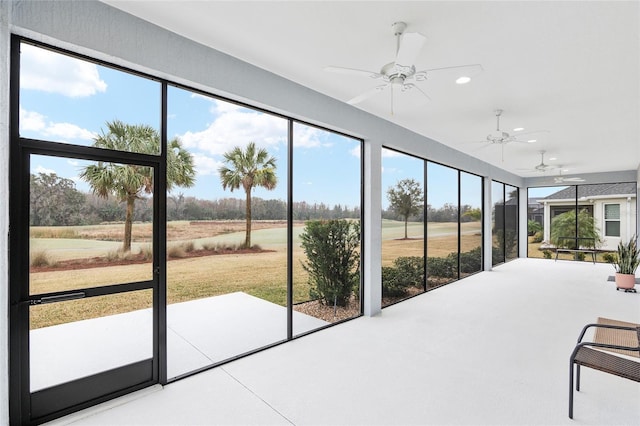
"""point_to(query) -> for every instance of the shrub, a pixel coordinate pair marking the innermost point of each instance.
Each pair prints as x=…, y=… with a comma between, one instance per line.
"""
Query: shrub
x=147, y=252
x=407, y=271
x=392, y=285
x=188, y=246
x=332, y=259
x=533, y=227
x=443, y=267
x=578, y=256
x=176, y=252
x=40, y=259
x=546, y=254
x=538, y=237
x=609, y=257
x=471, y=261
x=113, y=255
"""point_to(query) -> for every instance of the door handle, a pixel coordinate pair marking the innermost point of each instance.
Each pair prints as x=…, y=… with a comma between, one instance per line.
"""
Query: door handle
x=58, y=298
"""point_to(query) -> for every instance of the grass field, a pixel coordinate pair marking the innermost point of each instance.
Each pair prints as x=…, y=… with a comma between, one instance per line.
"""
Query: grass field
x=260, y=274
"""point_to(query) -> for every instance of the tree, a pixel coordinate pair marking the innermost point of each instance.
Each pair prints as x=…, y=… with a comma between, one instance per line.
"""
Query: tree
x=54, y=201
x=332, y=259
x=248, y=169
x=406, y=199
x=471, y=214
x=564, y=225
x=128, y=182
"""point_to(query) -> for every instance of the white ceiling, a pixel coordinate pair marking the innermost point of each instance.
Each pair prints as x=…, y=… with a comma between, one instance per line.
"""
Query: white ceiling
x=571, y=68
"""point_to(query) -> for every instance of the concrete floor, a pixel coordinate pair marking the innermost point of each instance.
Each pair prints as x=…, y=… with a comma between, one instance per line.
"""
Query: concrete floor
x=490, y=349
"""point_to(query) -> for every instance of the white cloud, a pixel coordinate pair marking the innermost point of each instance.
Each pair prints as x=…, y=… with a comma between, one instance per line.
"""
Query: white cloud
x=41, y=169
x=237, y=126
x=355, y=151
x=73, y=162
x=206, y=165
x=308, y=137
x=51, y=72
x=31, y=120
x=68, y=131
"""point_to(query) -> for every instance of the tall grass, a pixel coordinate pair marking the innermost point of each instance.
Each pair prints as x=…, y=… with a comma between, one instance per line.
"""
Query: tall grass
x=41, y=258
x=53, y=232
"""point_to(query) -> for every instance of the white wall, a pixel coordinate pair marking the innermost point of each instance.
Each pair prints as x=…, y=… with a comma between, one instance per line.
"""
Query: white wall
x=5, y=15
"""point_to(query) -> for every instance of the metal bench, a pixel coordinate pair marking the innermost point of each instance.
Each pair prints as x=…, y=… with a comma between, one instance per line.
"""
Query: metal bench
x=612, y=339
x=576, y=247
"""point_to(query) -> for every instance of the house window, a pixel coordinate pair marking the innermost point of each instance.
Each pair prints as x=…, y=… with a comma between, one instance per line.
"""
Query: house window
x=612, y=220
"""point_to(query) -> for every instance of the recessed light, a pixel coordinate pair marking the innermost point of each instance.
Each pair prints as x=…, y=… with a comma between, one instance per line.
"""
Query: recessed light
x=518, y=129
x=463, y=80
x=552, y=159
x=532, y=140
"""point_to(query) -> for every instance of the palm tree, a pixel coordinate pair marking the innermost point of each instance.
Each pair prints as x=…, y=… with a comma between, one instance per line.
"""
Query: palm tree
x=129, y=181
x=249, y=168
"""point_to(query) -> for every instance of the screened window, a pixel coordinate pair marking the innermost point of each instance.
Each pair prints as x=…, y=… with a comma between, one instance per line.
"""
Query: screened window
x=612, y=220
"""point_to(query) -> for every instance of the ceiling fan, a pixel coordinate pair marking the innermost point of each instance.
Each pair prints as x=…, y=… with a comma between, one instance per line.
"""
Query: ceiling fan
x=400, y=74
x=563, y=179
x=542, y=167
x=500, y=137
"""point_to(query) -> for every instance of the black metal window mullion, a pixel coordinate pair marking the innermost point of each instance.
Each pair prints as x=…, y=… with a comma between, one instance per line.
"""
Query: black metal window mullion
x=459, y=224
x=290, y=230
x=425, y=233
x=160, y=245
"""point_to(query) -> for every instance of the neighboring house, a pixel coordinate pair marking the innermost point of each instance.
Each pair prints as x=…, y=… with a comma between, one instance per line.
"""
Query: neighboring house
x=613, y=207
x=535, y=210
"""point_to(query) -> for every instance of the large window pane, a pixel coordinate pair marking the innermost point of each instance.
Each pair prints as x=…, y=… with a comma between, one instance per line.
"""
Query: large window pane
x=497, y=223
x=470, y=224
x=511, y=223
x=402, y=226
x=78, y=338
x=326, y=227
x=604, y=212
x=442, y=225
x=81, y=234
x=70, y=100
x=226, y=275
x=542, y=203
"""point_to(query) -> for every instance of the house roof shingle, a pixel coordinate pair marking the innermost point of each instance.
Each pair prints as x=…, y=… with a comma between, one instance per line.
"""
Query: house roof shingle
x=625, y=188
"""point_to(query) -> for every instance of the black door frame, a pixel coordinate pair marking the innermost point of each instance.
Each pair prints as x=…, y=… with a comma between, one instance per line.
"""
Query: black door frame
x=45, y=405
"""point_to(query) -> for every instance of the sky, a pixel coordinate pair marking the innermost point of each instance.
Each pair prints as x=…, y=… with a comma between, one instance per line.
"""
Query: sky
x=63, y=99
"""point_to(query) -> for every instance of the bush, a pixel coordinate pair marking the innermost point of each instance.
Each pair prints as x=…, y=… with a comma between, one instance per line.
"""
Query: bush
x=443, y=267
x=578, y=256
x=533, y=227
x=546, y=254
x=176, y=252
x=538, y=237
x=609, y=257
x=332, y=259
x=392, y=284
x=471, y=261
x=40, y=259
x=407, y=271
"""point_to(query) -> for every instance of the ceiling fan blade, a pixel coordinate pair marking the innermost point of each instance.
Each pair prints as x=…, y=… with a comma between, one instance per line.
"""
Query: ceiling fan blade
x=471, y=70
x=353, y=71
x=410, y=46
x=367, y=94
x=409, y=86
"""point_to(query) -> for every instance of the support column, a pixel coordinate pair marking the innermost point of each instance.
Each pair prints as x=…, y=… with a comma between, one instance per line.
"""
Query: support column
x=486, y=225
x=372, y=228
